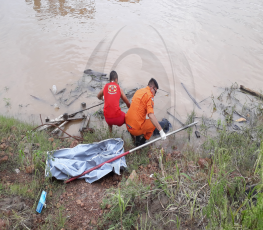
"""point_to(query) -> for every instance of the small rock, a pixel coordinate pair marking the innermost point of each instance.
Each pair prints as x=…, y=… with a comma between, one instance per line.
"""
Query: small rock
x=132, y=177
x=5, y=158
x=17, y=171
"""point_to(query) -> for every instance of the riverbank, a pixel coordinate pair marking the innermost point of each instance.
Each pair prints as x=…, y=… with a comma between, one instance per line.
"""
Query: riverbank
x=216, y=184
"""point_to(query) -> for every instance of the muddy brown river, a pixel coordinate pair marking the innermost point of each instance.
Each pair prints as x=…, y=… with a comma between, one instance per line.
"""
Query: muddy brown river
x=203, y=44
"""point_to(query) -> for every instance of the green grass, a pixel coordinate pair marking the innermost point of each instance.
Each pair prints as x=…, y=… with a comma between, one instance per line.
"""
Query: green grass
x=213, y=197
x=17, y=136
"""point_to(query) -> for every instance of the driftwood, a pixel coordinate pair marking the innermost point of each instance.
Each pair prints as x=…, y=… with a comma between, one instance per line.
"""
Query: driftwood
x=61, y=91
x=56, y=120
x=191, y=97
x=84, y=123
x=68, y=119
x=239, y=114
x=76, y=98
x=39, y=99
x=252, y=92
x=56, y=130
x=96, y=76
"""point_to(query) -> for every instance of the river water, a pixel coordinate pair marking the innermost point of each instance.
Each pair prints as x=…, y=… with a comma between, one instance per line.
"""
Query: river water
x=203, y=44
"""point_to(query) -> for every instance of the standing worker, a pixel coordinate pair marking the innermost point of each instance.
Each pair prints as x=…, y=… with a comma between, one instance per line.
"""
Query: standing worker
x=112, y=94
x=142, y=105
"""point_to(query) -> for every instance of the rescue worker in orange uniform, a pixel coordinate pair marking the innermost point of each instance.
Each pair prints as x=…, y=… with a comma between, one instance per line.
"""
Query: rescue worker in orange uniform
x=112, y=94
x=142, y=104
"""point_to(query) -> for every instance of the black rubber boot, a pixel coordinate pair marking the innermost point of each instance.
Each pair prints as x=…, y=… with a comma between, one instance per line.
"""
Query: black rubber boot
x=142, y=141
x=138, y=140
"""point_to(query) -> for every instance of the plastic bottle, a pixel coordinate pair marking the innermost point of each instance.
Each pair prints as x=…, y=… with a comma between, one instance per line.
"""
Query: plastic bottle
x=41, y=202
x=54, y=89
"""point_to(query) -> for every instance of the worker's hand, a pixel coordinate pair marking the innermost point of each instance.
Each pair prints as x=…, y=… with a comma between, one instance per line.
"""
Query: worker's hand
x=163, y=135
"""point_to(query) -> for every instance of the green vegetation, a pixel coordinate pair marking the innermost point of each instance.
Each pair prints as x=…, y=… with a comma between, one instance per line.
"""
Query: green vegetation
x=26, y=151
x=215, y=186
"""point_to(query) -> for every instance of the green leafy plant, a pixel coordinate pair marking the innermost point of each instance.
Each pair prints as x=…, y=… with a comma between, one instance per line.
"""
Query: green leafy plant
x=122, y=205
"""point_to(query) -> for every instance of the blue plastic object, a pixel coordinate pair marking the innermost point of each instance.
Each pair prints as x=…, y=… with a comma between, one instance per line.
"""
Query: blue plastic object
x=41, y=201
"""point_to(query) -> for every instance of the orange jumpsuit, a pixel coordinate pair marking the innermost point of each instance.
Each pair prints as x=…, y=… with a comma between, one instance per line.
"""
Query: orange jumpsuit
x=142, y=105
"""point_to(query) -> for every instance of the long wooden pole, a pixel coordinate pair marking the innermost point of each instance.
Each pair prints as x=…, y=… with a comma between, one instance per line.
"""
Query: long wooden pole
x=252, y=92
x=123, y=154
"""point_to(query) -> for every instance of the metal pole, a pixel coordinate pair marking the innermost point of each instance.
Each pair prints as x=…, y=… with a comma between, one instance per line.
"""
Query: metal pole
x=123, y=154
x=159, y=138
x=73, y=114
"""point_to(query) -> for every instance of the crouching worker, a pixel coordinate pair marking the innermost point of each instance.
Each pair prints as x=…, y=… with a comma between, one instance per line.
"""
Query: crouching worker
x=112, y=94
x=142, y=104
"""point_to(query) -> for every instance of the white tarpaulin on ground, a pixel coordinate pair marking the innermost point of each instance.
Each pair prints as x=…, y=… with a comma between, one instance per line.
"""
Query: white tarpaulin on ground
x=71, y=162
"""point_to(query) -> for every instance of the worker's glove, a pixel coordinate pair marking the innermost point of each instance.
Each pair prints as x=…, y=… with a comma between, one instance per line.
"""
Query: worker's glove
x=163, y=135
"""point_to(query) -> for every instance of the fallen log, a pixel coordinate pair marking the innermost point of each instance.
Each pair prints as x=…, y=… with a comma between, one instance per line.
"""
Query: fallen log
x=252, y=92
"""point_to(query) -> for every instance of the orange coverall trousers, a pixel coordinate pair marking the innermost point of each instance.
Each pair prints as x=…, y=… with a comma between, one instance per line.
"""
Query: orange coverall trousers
x=146, y=129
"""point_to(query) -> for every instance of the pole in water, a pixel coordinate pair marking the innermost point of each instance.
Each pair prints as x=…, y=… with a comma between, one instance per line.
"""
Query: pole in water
x=123, y=154
x=191, y=96
x=73, y=114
